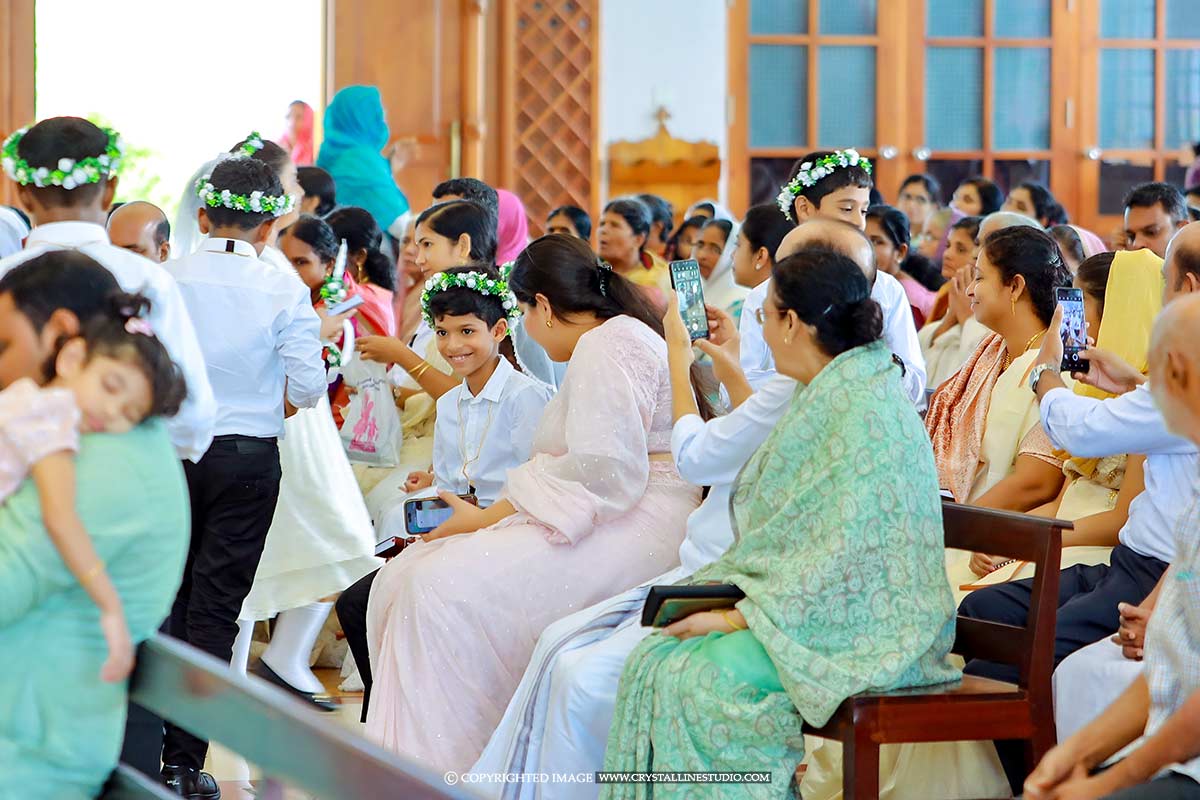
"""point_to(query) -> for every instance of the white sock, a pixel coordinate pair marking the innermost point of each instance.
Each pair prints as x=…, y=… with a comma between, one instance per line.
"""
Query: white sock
x=241, y=646
x=296, y=632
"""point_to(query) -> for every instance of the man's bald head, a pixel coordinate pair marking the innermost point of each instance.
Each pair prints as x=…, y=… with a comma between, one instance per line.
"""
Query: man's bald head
x=1175, y=366
x=840, y=237
x=1000, y=220
x=1181, y=269
x=143, y=228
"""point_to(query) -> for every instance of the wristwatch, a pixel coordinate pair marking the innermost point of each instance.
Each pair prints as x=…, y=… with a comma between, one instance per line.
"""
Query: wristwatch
x=1036, y=374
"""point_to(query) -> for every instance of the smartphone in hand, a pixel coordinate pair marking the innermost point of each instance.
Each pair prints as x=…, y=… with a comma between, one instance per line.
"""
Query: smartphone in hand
x=688, y=284
x=424, y=514
x=1074, y=329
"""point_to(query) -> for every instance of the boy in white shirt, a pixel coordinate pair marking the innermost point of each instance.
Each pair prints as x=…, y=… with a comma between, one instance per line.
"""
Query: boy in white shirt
x=261, y=341
x=484, y=428
x=485, y=424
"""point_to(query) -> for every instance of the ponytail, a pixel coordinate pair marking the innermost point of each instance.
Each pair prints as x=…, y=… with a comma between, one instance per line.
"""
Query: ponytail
x=569, y=275
x=358, y=228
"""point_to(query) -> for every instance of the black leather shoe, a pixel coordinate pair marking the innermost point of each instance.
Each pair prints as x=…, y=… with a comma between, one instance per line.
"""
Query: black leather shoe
x=191, y=783
x=271, y=676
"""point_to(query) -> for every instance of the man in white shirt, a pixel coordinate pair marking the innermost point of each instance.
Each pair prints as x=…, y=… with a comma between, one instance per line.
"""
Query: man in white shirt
x=1090, y=428
x=1163, y=703
x=69, y=211
x=261, y=341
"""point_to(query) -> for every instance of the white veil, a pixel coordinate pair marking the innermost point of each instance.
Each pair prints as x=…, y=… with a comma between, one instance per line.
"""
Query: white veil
x=186, y=237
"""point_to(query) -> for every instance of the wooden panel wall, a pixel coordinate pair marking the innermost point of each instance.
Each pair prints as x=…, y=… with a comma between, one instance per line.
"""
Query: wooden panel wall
x=549, y=109
x=16, y=75
x=413, y=52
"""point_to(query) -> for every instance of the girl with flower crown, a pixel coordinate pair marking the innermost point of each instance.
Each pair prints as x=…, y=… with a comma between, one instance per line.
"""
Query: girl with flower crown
x=109, y=379
x=598, y=508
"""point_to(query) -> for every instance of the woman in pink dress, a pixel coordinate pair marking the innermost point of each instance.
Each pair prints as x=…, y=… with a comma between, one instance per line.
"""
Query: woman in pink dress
x=598, y=509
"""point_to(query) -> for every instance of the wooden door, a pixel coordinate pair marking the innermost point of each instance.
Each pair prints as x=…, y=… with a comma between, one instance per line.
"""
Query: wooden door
x=426, y=57
x=810, y=75
x=16, y=76
x=996, y=78
x=1140, y=101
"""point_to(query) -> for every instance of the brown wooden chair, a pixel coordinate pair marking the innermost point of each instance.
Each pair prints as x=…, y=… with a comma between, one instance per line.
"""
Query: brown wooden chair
x=974, y=708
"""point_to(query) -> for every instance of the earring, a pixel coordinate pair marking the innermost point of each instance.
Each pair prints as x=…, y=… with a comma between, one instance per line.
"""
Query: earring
x=787, y=340
x=1014, y=306
x=549, y=324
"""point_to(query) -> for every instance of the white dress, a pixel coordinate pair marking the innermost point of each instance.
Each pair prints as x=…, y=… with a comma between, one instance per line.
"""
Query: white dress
x=321, y=539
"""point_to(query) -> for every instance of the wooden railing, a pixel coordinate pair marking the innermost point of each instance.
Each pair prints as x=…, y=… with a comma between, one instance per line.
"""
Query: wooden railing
x=289, y=742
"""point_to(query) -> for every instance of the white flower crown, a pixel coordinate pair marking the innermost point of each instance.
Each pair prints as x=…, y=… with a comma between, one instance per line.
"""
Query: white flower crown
x=811, y=172
x=68, y=173
x=476, y=281
x=253, y=203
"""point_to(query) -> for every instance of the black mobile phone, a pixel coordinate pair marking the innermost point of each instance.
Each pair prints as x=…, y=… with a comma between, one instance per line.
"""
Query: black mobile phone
x=424, y=514
x=689, y=286
x=1073, y=330
x=666, y=604
x=349, y=304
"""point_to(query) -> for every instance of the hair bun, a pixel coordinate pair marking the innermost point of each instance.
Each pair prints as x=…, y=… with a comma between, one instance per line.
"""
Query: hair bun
x=858, y=321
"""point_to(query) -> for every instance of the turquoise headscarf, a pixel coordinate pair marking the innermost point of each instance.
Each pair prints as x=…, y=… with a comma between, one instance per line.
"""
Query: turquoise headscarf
x=355, y=134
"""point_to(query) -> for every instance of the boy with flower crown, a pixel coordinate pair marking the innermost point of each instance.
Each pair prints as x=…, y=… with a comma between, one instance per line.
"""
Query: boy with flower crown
x=262, y=344
x=484, y=427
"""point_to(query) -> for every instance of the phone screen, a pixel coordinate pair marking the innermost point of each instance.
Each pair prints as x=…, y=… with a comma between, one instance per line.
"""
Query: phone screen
x=1073, y=330
x=422, y=516
x=689, y=287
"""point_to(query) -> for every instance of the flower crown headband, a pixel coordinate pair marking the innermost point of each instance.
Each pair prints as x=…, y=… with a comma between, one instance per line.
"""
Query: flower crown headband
x=254, y=143
x=69, y=173
x=475, y=281
x=813, y=171
x=253, y=203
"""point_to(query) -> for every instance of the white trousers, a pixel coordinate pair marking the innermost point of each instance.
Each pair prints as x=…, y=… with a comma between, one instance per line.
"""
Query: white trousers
x=1089, y=681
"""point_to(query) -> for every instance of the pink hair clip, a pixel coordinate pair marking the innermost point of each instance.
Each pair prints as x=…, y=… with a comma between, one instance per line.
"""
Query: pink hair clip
x=138, y=325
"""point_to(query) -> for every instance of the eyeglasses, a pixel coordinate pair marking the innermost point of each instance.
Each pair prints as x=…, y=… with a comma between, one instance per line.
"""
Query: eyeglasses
x=760, y=314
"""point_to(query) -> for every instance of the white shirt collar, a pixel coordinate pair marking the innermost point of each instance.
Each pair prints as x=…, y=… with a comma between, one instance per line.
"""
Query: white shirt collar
x=494, y=388
x=68, y=234
x=232, y=246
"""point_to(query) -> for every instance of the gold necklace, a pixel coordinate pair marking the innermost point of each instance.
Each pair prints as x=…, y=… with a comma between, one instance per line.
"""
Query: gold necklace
x=1009, y=357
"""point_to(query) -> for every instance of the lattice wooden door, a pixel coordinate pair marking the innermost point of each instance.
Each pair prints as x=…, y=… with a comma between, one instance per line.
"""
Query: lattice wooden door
x=551, y=143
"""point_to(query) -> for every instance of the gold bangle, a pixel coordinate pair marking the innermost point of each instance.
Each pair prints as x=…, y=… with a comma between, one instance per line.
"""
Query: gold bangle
x=419, y=371
x=92, y=573
x=732, y=624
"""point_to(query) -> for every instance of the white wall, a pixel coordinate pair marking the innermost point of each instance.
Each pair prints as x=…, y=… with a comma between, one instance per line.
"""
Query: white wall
x=663, y=52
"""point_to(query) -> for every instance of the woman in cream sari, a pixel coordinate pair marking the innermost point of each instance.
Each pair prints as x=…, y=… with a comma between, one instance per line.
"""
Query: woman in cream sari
x=815, y=512
x=1122, y=296
x=987, y=437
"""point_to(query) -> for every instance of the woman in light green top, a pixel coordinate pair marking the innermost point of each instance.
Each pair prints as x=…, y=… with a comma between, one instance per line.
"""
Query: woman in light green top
x=61, y=726
x=845, y=584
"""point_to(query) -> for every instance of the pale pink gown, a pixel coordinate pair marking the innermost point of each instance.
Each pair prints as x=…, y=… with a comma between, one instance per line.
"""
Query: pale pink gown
x=452, y=623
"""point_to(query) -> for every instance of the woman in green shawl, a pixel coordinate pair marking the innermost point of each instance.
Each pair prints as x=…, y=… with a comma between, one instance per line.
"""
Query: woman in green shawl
x=843, y=572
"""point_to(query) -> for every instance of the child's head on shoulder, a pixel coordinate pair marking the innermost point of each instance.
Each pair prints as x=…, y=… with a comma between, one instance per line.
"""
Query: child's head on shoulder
x=466, y=307
x=118, y=370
